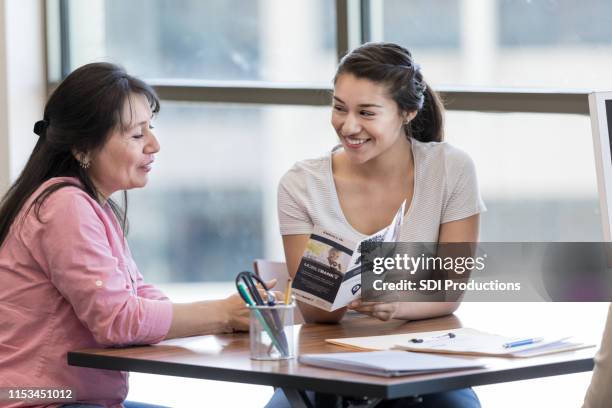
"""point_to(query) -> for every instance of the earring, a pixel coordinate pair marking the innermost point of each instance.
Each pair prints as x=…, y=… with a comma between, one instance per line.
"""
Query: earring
x=83, y=162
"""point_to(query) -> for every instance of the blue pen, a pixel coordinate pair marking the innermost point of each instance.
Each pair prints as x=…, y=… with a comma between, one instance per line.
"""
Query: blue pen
x=523, y=342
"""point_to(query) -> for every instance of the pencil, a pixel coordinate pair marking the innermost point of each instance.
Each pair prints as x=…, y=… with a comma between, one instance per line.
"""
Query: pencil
x=288, y=291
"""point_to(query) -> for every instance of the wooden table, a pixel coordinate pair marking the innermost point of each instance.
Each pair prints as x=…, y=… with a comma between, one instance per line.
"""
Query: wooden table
x=226, y=358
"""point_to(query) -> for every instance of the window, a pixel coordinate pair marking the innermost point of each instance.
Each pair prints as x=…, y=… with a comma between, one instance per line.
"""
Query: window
x=536, y=173
x=210, y=206
x=504, y=43
x=193, y=39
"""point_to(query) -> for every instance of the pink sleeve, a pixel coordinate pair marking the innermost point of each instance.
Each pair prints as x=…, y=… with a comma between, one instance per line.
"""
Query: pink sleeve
x=74, y=247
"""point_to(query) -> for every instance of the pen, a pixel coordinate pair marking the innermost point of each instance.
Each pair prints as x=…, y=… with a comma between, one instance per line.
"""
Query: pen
x=288, y=291
x=271, y=317
x=249, y=300
x=523, y=342
x=449, y=335
x=276, y=323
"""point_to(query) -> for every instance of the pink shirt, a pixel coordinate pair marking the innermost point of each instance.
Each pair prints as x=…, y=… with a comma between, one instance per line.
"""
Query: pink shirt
x=71, y=283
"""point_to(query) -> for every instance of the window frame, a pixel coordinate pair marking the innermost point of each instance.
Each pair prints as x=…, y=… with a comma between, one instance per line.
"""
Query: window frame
x=353, y=27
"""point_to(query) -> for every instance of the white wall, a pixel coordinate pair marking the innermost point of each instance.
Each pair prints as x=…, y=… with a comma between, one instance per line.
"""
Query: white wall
x=4, y=146
x=22, y=82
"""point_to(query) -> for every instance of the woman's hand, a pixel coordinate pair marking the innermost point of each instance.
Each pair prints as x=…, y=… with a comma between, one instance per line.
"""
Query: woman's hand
x=381, y=310
x=404, y=310
x=237, y=313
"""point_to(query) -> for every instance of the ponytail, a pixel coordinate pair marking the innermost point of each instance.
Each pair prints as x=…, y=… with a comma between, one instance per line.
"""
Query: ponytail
x=428, y=124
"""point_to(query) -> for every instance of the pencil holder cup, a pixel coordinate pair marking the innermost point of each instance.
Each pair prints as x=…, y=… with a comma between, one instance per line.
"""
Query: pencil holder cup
x=271, y=332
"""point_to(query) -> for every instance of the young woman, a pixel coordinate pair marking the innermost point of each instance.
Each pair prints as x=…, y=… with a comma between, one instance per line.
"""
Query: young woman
x=390, y=126
x=68, y=278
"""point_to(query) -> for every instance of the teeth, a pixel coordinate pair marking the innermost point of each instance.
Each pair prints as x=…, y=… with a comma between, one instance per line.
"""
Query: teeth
x=356, y=141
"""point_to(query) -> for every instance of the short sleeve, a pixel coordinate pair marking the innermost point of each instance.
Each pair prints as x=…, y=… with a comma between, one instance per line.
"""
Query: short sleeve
x=464, y=199
x=293, y=216
x=73, y=246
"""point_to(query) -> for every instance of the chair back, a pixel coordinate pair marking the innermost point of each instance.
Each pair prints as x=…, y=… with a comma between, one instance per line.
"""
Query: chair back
x=267, y=270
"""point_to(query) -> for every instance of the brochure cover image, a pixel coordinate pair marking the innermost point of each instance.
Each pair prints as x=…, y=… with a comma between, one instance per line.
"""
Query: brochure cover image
x=329, y=274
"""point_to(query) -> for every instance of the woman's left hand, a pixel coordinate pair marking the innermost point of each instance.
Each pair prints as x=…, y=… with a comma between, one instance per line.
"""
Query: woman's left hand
x=381, y=310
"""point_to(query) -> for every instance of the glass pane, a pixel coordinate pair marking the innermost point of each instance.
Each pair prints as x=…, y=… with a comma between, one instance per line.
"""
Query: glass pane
x=534, y=43
x=536, y=173
x=209, y=209
x=268, y=40
x=210, y=206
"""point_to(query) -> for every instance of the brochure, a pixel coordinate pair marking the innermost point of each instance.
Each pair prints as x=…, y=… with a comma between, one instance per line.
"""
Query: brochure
x=329, y=274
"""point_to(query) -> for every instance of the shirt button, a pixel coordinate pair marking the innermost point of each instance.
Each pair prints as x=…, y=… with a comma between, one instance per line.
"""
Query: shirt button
x=98, y=283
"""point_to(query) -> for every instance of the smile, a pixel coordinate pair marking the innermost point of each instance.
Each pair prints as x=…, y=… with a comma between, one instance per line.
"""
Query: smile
x=354, y=142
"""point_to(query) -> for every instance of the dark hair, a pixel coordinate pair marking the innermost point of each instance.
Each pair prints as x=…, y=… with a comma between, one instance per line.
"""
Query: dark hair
x=393, y=66
x=79, y=117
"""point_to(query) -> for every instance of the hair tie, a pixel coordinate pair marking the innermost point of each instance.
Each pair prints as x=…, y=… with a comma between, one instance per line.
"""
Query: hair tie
x=40, y=127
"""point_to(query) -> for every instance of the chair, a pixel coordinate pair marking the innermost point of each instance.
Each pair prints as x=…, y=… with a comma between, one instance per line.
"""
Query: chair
x=267, y=270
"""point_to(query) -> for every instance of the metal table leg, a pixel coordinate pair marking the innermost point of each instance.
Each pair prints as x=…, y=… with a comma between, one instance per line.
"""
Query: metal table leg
x=297, y=398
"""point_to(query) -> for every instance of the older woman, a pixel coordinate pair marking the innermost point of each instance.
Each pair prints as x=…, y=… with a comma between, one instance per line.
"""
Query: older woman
x=68, y=278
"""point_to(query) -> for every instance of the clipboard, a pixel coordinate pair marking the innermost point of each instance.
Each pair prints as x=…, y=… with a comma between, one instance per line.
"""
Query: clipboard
x=466, y=341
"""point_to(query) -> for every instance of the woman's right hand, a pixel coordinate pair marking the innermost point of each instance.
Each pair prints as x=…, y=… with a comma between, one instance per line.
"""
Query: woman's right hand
x=236, y=312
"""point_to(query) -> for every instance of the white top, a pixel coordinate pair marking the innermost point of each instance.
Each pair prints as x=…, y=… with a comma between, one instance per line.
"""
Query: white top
x=445, y=189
